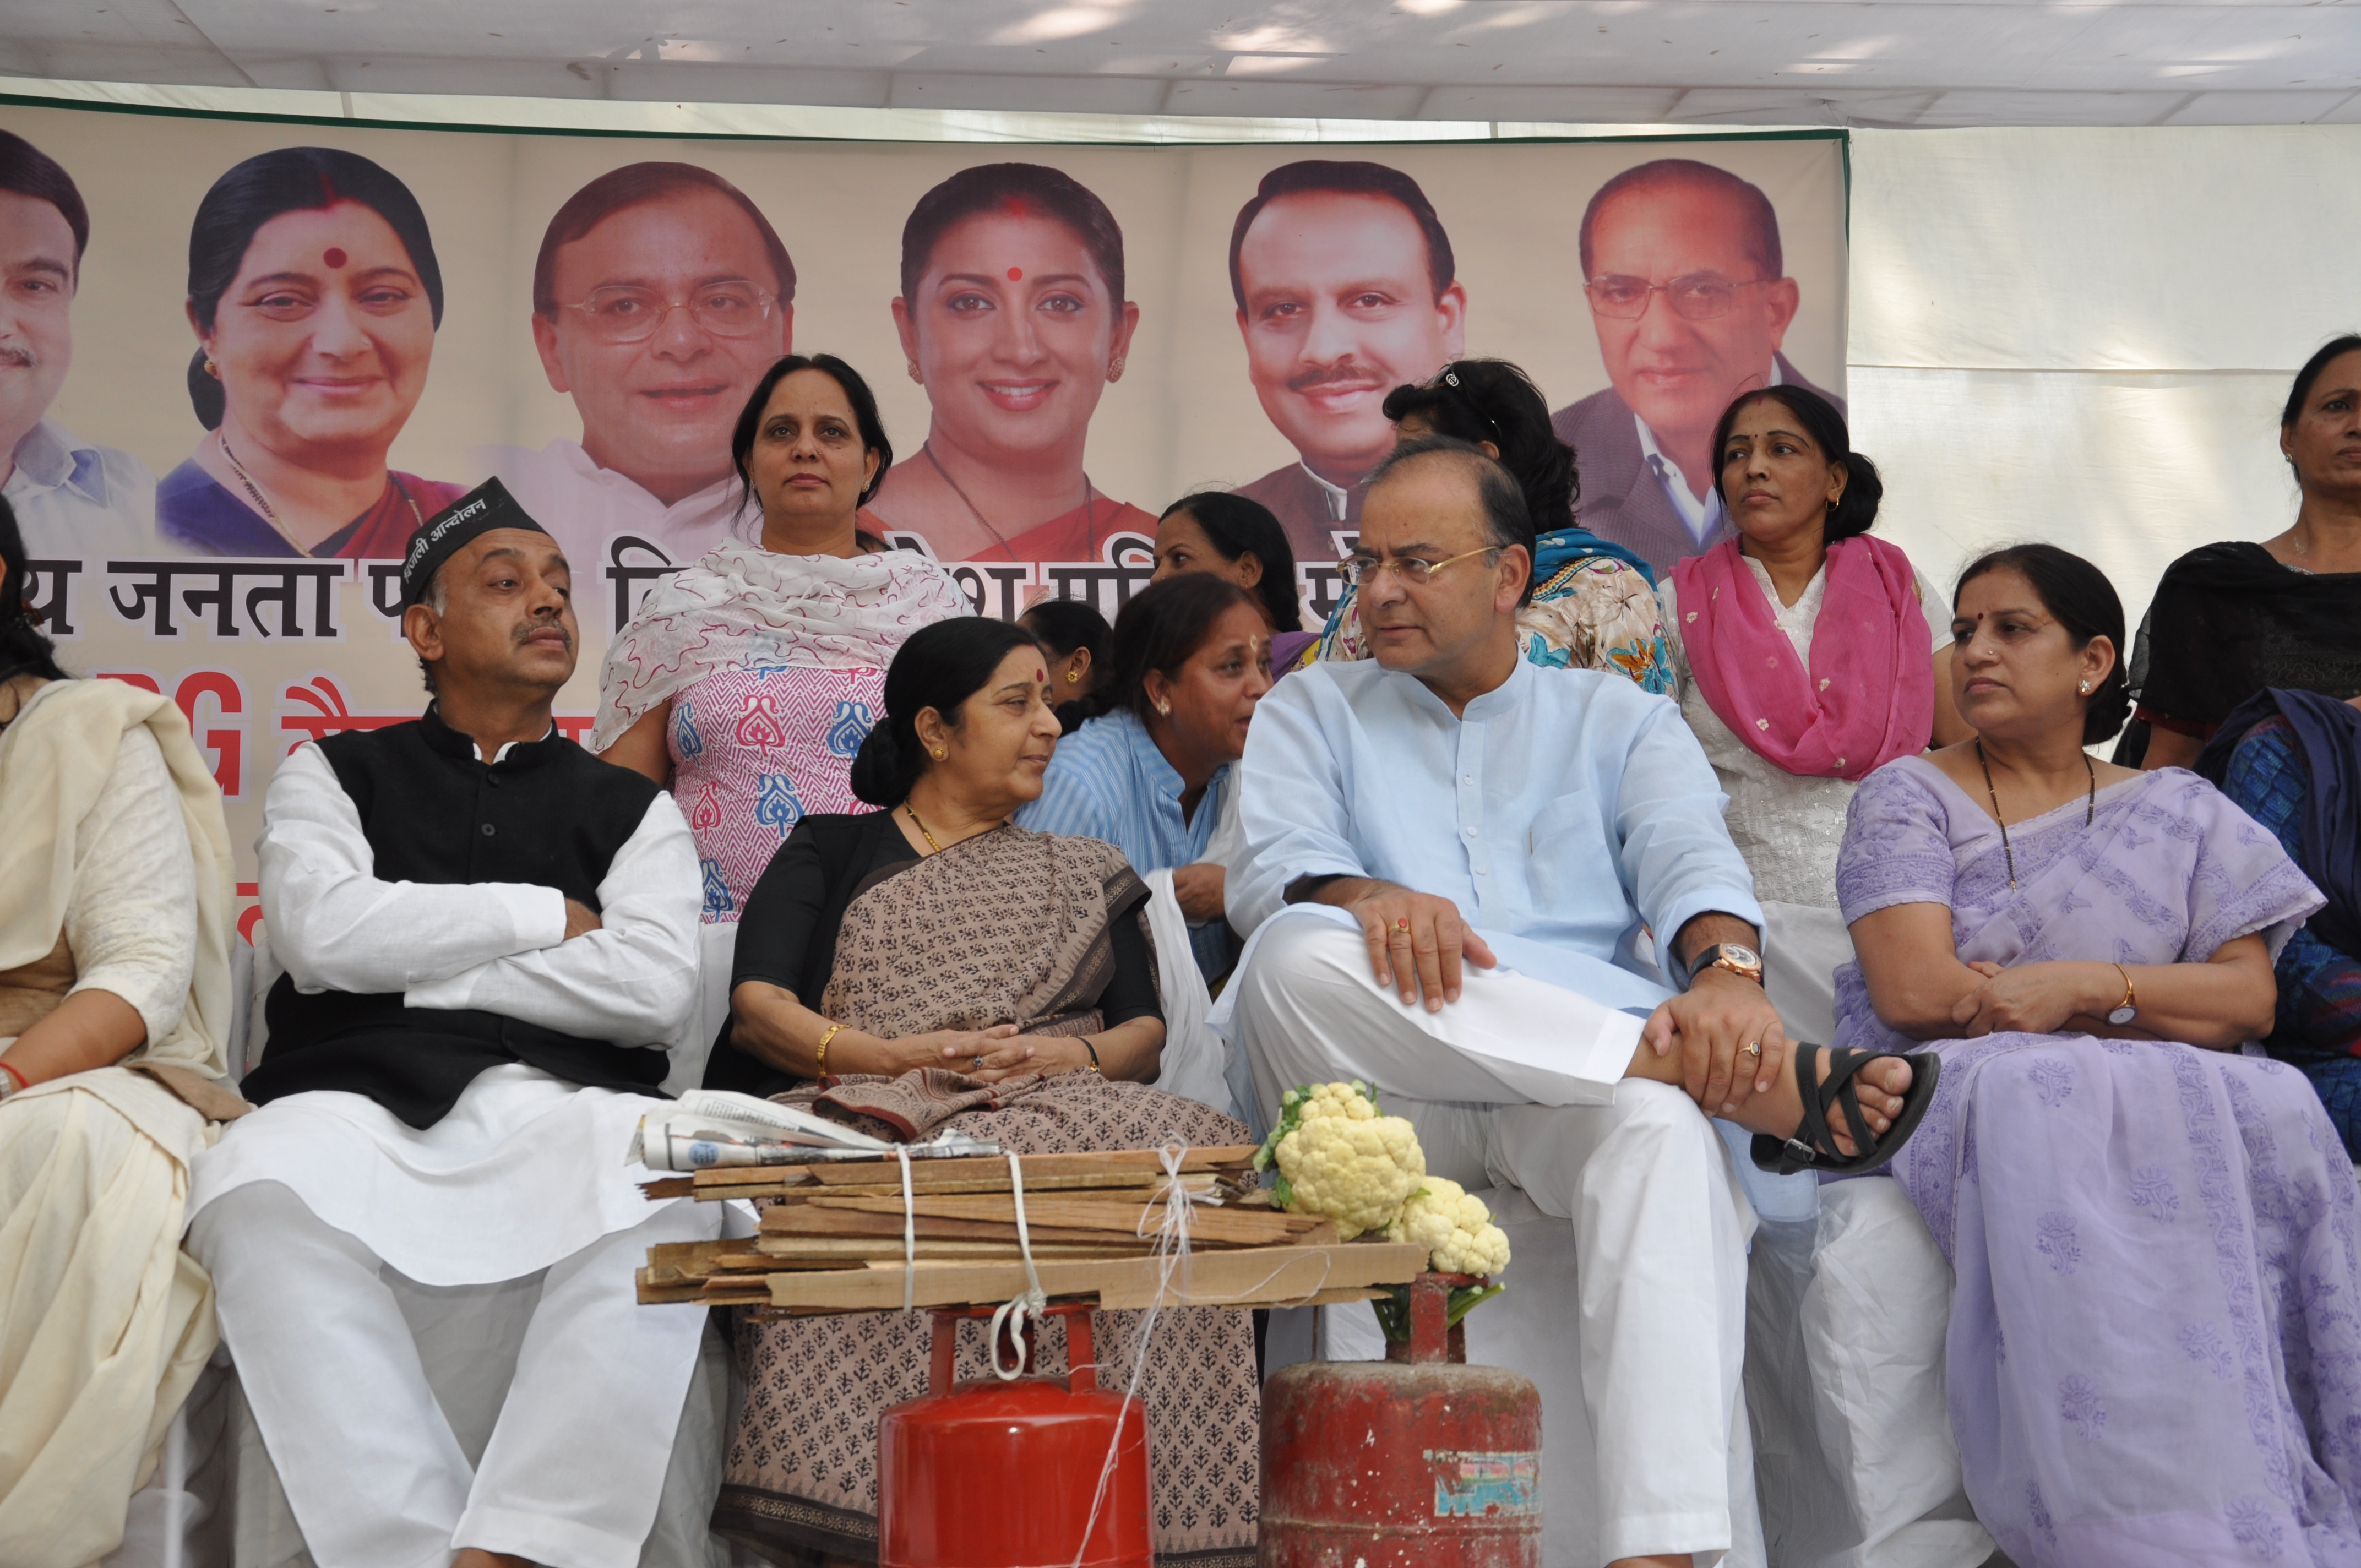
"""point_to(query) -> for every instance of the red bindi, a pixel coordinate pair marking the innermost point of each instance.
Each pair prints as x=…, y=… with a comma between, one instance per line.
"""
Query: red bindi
x=1015, y=273
x=335, y=257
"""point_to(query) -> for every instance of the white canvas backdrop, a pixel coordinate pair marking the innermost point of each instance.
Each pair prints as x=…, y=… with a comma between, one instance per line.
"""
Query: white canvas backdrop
x=2085, y=335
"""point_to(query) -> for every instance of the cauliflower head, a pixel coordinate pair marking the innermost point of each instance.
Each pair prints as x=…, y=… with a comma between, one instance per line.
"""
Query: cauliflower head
x=1455, y=1229
x=1339, y=1156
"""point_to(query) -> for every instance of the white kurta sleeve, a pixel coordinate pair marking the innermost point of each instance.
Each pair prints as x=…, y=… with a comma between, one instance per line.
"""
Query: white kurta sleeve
x=1677, y=858
x=131, y=922
x=633, y=981
x=1292, y=807
x=338, y=927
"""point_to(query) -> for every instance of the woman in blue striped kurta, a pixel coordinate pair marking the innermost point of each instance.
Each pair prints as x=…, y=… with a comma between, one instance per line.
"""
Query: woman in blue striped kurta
x=1192, y=658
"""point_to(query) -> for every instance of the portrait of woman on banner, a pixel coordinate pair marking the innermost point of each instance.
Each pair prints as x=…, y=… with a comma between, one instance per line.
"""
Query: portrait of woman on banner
x=315, y=295
x=1012, y=316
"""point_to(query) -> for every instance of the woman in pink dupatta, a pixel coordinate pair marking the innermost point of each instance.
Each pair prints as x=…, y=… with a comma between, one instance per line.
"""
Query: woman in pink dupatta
x=1805, y=656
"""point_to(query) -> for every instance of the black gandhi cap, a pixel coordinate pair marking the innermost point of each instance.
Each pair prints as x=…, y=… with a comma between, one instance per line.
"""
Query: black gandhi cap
x=487, y=506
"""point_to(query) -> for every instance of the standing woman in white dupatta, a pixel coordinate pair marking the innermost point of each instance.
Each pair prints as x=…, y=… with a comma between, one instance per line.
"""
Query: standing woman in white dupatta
x=1805, y=656
x=748, y=680
x=115, y=1000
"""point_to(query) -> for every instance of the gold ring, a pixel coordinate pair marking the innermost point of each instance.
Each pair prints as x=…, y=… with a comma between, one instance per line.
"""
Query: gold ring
x=1754, y=1049
x=1401, y=922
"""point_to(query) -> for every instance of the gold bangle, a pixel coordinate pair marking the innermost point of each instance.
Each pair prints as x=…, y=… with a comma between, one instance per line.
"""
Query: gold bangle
x=2127, y=1010
x=821, y=1065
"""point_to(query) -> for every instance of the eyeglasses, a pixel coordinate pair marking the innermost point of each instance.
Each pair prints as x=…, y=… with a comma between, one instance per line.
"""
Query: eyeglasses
x=1363, y=571
x=623, y=312
x=1699, y=297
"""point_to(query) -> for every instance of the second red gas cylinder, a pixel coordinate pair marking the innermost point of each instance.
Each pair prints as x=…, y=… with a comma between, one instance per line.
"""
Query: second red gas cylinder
x=1416, y=1463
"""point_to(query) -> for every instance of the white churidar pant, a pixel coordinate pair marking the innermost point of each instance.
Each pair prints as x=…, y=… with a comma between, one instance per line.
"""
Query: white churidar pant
x=1660, y=1220
x=571, y=1475
x=1802, y=949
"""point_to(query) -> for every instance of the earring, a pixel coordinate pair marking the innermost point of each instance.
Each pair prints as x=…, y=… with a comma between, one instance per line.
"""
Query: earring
x=939, y=753
x=1164, y=709
x=1074, y=677
x=213, y=369
x=2085, y=688
x=913, y=373
x=1114, y=367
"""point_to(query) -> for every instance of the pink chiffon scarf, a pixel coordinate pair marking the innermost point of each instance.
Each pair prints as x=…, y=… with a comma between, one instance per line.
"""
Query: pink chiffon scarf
x=1869, y=696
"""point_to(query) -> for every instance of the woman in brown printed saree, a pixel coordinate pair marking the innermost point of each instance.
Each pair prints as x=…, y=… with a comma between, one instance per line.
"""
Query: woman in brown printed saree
x=933, y=965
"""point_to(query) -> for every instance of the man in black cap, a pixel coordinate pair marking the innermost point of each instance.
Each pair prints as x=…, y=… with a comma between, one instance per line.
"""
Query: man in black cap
x=489, y=937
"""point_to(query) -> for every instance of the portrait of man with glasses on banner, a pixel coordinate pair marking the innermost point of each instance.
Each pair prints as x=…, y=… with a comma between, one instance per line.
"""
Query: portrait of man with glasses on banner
x=1686, y=284
x=659, y=296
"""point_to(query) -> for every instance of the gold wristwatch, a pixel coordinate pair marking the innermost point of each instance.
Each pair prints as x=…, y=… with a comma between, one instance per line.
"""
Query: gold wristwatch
x=1742, y=962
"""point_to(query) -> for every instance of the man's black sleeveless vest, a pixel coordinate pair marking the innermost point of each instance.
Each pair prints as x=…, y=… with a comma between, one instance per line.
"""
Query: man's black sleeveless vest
x=548, y=814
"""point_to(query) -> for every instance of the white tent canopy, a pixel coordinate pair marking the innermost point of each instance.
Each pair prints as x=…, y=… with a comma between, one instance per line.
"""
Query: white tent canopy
x=1905, y=63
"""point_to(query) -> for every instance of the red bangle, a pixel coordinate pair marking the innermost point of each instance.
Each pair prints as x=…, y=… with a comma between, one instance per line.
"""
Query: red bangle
x=23, y=1082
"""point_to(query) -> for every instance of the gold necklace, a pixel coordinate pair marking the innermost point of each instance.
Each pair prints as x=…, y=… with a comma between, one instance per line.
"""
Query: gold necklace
x=1089, y=501
x=921, y=827
x=2090, y=805
x=270, y=513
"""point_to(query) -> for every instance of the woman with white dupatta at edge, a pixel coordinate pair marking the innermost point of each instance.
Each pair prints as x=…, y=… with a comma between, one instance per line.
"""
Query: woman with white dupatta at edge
x=115, y=999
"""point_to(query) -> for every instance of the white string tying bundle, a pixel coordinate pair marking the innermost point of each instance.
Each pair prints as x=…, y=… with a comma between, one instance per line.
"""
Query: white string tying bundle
x=1172, y=1256
x=1030, y=1303
x=909, y=1234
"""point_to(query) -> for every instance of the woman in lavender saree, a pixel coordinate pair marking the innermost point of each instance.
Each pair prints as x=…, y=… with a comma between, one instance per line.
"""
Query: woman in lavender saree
x=2154, y=1352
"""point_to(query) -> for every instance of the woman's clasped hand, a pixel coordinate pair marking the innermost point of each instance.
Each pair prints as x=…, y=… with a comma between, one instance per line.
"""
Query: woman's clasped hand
x=2038, y=999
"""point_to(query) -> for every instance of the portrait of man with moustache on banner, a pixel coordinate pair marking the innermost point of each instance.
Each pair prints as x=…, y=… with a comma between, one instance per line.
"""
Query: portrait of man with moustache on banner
x=1345, y=289
x=659, y=296
x=1687, y=287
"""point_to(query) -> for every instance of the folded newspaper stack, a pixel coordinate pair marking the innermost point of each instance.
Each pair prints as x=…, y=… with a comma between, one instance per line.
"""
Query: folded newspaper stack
x=706, y=1128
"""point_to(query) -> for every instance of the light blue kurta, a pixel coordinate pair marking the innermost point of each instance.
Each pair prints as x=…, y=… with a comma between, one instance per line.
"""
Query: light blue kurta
x=1562, y=811
x=1109, y=781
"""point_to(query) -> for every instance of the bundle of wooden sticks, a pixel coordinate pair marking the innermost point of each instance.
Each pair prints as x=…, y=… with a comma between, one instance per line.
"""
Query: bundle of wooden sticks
x=841, y=1236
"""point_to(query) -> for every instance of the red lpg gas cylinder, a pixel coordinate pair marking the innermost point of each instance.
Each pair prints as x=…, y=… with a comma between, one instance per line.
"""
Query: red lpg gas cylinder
x=1002, y=1474
x=1416, y=1463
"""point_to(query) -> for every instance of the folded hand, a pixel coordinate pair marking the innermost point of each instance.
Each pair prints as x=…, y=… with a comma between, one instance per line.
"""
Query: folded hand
x=1712, y=1024
x=2035, y=999
x=971, y=1051
x=1199, y=889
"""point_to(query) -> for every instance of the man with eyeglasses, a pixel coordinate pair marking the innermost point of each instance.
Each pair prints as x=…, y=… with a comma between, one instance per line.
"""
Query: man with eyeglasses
x=1682, y=268
x=659, y=296
x=1454, y=854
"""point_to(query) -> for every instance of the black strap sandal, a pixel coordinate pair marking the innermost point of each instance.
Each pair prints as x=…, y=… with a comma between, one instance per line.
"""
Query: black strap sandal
x=1814, y=1146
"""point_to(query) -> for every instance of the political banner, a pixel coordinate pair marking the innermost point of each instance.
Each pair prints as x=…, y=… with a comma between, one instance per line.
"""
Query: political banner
x=242, y=359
